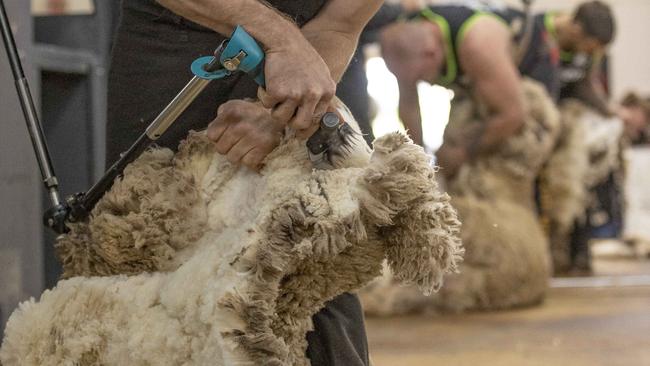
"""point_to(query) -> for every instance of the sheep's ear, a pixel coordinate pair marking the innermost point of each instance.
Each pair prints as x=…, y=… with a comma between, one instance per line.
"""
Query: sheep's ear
x=418, y=225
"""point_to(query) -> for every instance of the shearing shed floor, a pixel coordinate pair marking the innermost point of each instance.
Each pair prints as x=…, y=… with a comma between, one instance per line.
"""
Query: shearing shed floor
x=603, y=320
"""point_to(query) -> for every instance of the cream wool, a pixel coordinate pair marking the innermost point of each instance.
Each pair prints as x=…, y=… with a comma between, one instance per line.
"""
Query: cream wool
x=227, y=266
x=562, y=189
x=603, y=139
x=588, y=150
x=507, y=261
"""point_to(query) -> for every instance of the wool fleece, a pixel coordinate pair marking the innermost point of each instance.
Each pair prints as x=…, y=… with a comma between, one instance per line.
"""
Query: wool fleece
x=588, y=150
x=190, y=260
x=507, y=260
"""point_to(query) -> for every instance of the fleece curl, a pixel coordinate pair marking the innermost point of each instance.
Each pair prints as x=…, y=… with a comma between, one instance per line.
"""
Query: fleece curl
x=136, y=227
x=425, y=216
x=197, y=262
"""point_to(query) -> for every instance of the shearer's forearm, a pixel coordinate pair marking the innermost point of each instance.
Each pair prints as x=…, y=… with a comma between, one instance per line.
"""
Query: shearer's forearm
x=265, y=24
x=412, y=122
x=336, y=49
x=409, y=109
x=335, y=31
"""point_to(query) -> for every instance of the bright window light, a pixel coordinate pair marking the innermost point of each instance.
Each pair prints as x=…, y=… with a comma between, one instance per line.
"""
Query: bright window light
x=434, y=104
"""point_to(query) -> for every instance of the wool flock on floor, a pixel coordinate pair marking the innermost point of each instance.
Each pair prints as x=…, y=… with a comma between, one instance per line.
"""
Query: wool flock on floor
x=190, y=260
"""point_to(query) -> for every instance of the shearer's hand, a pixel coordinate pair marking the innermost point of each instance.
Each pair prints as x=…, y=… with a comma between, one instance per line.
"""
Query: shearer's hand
x=299, y=86
x=245, y=132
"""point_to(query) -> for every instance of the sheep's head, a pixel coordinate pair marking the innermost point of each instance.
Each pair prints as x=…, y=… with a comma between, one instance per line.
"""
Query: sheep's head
x=346, y=147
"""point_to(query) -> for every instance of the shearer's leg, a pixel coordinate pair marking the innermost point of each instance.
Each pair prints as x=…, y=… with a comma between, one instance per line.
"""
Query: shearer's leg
x=339, y=336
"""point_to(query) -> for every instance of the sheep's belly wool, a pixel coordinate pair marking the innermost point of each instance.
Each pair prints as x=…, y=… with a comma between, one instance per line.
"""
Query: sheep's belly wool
x=507, y=260
x=189, y=260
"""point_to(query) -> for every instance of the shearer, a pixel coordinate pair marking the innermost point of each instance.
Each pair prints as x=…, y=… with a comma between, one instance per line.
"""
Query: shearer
x=308, y=45
x=487, y=49
x=583, y=38
x=457, y=46
x=482, y=52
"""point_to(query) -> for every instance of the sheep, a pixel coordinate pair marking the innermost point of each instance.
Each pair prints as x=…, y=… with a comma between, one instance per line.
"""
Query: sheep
x=507, y=261
x=190, y=260
x=588, y=150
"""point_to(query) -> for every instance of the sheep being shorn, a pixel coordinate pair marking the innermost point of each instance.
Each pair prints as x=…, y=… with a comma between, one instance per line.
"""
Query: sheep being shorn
x=587, y=152
x=562, y=190
x=507, y=261
x=189, y=260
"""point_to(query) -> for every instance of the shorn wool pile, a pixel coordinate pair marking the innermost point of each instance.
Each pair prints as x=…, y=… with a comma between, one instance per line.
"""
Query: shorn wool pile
x=507, y=261
x=190, y=260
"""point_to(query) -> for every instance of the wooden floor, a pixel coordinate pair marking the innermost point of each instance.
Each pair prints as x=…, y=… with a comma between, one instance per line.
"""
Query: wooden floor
x=602, y=320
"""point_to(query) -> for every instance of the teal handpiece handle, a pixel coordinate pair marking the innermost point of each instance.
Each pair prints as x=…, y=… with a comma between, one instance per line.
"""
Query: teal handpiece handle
x=253, y=61
x=240, y=52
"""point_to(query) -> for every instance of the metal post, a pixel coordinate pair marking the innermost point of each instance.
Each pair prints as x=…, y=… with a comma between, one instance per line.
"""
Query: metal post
x=27, y=104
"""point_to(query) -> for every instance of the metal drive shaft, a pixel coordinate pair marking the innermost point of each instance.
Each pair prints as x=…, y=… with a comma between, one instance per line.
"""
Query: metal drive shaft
x=180, y=102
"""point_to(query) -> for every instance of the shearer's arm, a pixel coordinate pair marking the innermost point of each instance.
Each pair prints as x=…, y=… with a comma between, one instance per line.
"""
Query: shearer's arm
x=297, y=78
x=264, y=23
x=488, y=63
x=409, y=109
x=335, y=31
x=595, y=93
x=485, y=55
x=299, y=75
